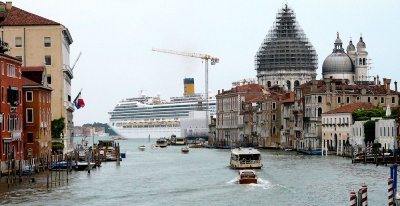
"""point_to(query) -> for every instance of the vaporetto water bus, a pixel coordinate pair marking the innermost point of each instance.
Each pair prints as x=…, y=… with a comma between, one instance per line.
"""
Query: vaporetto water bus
x=245, y=158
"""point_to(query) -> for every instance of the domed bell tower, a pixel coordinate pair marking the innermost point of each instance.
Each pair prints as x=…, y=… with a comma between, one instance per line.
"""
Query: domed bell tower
x=361, y=62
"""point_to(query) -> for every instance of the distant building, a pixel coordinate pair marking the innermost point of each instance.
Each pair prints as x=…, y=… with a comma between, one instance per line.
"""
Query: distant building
x=386, y=132
x=230, y=118
x=38, y=41
x=37, y=112
x=337, y=126
x=352, y=66
x=318, y=96
x=286, y=57
x=11, y=119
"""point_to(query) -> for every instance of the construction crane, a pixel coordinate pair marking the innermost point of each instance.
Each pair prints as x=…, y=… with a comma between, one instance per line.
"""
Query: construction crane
x=204, y=57
x=76, y=60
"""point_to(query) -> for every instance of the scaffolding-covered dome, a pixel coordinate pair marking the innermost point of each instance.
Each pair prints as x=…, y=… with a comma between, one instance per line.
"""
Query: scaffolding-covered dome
x=286, y=46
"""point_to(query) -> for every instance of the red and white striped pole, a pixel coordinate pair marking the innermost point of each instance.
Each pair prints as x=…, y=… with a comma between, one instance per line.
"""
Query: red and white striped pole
x=390, y=191
x=364, y=196
x=353, y=198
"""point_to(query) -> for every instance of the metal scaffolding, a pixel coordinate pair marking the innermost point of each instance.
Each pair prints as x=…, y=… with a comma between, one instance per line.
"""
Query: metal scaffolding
x=286, y=46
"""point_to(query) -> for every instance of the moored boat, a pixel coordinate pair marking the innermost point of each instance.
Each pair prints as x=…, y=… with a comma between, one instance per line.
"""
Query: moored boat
x=142, y=148
x=247, y=177
x=185, y=150
x=245, y=158
x=162, y=142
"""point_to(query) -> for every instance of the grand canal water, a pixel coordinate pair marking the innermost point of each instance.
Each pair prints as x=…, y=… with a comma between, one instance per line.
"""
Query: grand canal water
x=202, y=177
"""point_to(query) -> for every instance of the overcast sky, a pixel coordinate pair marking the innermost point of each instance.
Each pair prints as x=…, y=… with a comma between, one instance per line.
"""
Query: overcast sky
x=116, y=38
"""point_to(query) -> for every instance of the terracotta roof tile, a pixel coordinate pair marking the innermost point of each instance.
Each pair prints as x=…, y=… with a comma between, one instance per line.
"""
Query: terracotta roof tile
x=351, y=108
x=19, y=17
x=28, y=82
x=32, y=69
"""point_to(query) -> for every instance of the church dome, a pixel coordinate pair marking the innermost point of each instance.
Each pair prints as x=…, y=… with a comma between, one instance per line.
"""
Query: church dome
x=286, y=47
x=338, y=62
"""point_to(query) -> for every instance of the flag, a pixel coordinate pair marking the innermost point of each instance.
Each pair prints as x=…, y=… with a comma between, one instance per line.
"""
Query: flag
x=78, y=101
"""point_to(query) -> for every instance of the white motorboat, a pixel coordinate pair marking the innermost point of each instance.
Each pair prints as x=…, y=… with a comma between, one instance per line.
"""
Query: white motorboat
x=142, y=148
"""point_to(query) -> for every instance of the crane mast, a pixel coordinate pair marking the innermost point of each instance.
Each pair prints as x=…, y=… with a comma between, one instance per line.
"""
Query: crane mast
x=204, y=57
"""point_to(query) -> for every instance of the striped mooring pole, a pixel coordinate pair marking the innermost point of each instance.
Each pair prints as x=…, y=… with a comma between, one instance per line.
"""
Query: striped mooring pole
x=364, y=196
x=353, y=198
x=390, y=191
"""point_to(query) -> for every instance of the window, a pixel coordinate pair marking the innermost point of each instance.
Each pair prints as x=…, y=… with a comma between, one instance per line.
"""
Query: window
x=47, y=42
x=18, y=41
x=11, y=70
x=273, y=105
x=29, y=96
x=29, y=115
x=347, y=100
x=30, y=137
x=2, y=68
x=49, y=79
x=382, y=100
x=393, y=100
x=269, y=84
x=3, y=122
x=273, y=130
x=47, y=60
x=339, y=100
x=369, y=99
x=319, y=99
x=2, y=94
x=273, y=117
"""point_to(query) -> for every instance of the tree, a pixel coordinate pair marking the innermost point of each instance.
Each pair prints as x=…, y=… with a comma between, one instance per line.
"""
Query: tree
x=369, y=131
x=57, y=128
x=365, y=114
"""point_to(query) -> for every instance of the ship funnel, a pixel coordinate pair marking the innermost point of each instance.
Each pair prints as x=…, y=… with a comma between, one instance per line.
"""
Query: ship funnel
x=188, y=86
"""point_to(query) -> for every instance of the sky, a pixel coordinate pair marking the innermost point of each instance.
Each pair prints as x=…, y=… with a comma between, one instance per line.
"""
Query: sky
x=116, y=40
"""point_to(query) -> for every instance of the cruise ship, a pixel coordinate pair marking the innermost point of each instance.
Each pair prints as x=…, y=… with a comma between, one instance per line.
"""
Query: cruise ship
x=144, y=115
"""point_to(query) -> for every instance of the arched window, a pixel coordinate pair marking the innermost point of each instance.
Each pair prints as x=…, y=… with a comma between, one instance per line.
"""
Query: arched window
x=289, y=85
x=360, y=61
x=319, y=111
x=296, y=83
x=319, y=99
x=273, y=130
x=269, y=84
x=364, y=62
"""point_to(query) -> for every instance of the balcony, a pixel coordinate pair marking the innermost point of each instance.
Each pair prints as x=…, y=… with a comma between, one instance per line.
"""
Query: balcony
x=298, y=129
x=43, y=124
x=310, y=135
x=69, y=106
x=67, y=70
x=16, y=135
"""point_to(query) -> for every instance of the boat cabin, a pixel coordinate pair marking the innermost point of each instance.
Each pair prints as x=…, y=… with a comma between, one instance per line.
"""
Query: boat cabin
x=242, y=158
x=247, y=177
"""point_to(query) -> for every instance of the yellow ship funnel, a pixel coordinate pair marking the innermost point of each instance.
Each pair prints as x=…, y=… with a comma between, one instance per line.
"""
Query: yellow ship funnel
x=188, y=86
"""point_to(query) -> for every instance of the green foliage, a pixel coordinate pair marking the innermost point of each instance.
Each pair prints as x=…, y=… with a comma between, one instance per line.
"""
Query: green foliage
x=369, y=131
x=98, y=124
x=365, y=114
x=57, y=146
x=57, y=127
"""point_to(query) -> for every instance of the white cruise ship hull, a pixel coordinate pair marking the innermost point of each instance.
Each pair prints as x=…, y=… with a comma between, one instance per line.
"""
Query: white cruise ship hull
x=145, y=132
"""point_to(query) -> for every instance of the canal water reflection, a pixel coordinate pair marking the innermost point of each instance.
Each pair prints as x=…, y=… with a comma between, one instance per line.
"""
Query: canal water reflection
x=165, y=176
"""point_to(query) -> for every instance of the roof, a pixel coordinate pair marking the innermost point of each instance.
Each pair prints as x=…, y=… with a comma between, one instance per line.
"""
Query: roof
x=248, y=88
x=19, y=17
x=32, y=69
x=352, y=107
x=242, y=151
x=28, y=82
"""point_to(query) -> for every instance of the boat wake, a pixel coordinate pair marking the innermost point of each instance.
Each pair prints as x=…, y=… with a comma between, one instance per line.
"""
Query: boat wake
x=261, y=183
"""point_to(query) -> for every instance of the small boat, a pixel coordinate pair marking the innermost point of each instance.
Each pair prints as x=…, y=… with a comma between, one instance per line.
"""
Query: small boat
x=119, y=138
x=142, y=148
x=162, y=142
x=247, y=177
x=310, y=152
x=185, y=150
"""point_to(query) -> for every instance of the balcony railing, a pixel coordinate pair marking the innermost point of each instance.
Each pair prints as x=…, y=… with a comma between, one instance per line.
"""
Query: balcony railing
x=310, y=135
x=43, y=124
x=16, y=135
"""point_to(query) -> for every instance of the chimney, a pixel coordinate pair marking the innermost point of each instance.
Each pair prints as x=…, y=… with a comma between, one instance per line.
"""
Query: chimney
x=395, y=86
x=377, y=80
x=384, y=83
x=333, y=87
x=387, y=85
x=8, y=5
x=374, y=80
x=219, y=92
